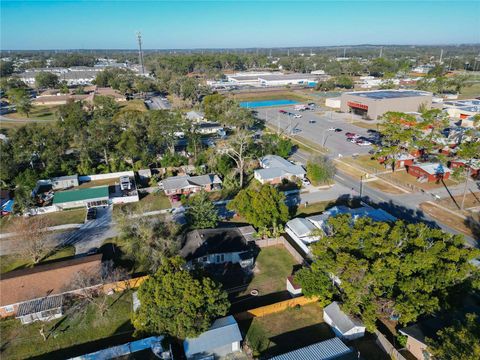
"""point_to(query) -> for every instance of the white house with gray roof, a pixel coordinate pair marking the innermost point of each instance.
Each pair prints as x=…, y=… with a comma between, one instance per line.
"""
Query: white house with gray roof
x=344, y=326
x=186, y=184
x=275, y=169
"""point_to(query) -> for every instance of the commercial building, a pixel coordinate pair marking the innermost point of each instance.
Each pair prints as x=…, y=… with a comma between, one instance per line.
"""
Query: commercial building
x=289, y=79
x=373, y=104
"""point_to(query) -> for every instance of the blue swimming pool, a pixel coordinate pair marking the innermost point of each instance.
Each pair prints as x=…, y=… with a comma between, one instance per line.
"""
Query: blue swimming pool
x=264, y=103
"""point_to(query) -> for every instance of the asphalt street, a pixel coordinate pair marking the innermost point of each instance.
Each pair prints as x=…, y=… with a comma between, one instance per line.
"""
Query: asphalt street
x=158, y=103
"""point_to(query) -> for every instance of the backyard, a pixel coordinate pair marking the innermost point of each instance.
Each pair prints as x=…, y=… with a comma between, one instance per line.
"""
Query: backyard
x=70, y=335
x=148, y=202
x=40, y=112
x=287, y=330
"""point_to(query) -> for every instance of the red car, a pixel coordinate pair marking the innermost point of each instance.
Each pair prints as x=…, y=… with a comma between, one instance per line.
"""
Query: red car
x=282, y=111
x=349, y=135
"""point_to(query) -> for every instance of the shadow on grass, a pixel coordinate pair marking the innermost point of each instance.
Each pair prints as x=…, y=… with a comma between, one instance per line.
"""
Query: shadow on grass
x=122, y=335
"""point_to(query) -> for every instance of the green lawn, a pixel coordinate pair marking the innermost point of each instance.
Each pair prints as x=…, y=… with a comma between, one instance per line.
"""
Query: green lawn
x=75, y=216
x=39, y=112
x=314, y=208
x=149, y=202
x=469, y=92
x=90, y=329
x=13, y=262
x=272, y=267
x=269, y=95
x=287, y=330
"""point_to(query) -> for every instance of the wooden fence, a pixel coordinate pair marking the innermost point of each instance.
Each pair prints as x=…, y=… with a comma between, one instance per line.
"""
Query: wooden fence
x=281, y=241
x=275, y=308
x=387, y=346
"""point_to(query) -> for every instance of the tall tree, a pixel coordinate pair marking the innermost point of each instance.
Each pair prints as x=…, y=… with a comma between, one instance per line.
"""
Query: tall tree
x=178, y=302
x=45, y=79
x=201, y=212
x=320, y=170
x=263, y=206
x=385, y=270
x=238, y=148
x=460, y=341
x=21, y=99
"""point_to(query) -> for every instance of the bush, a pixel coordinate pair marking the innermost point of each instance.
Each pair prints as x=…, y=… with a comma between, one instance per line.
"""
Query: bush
x=320, y=170
x=257, y=338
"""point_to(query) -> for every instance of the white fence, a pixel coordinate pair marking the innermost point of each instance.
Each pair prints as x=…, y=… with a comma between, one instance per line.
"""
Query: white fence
x=106, y=176
x=125, y=199
x=299, y=242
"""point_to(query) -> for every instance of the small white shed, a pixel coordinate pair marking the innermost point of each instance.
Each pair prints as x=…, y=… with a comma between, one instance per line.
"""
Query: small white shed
x=344, y=326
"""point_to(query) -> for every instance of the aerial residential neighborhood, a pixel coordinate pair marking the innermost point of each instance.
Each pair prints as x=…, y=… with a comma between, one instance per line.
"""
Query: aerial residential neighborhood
x=233, y=180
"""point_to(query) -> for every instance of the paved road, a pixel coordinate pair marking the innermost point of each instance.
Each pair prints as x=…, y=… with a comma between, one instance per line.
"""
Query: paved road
x=159, y=103
x=317, y=132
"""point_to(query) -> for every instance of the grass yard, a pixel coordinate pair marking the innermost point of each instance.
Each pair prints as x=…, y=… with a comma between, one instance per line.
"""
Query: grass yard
x=149, y=202
x=385, y=187
x=365, y=162
x=365, y=125
x=137, y=104
x=472, y=200
x=446, y=217
x=313, y=208
x=469, y=92
x=272, y=267
x=14, y=262
x=90, y=330
x=94, y=183
x=39, y=112
x=74, y=216
x=349, y=169
x=286, y=331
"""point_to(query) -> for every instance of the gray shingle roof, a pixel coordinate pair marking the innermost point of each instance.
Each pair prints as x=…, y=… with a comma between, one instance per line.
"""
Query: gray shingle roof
x=341, y=320
x=301, y=227
x=332, y=349
x=186, y=181
x=224, y=331
x=275, y=166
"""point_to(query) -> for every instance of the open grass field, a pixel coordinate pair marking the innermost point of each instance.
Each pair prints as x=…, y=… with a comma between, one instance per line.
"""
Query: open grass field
x=470, y=92
x=14, y=262
x=74, y=334
x=39, y=112
x=75, y=216
x=287, y=330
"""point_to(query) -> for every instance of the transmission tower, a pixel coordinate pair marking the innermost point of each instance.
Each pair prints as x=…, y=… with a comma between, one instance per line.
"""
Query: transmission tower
x=140, y=51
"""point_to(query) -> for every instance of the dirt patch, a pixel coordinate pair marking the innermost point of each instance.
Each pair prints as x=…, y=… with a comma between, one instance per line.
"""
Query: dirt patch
x=472, y=200
x=385, y=187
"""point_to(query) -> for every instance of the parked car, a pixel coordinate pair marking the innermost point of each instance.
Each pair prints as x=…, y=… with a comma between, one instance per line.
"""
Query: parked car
x=361, y=142
x=349, y=135
x=311, y=104
x=338, y=130
x=331, y=129
x=305, y=182
x=91, y=214
x=282, y=111
x=297, y=116
x=311, y=121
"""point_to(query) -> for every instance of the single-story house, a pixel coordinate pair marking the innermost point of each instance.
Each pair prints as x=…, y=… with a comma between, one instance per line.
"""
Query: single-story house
x=428, y=328
x=36, y=293
x=401, y=160
x=275, y=169
x=223, y=338
x=90, y=197
x=474, y=166
x=195, y=116
x=208, y=128
x=429, y=172
x=344, y=326
x=331, y=349
x=186, y=184
x=219, y=246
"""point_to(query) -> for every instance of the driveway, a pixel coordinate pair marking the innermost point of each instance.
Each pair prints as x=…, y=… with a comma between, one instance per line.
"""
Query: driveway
x=159, y=103
x=93, y=233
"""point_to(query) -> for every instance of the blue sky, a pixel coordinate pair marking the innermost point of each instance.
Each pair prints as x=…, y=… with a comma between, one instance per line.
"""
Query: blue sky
x=80, y=24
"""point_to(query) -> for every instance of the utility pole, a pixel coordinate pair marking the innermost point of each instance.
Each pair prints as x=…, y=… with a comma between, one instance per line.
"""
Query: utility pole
x=467, y=174
x=441, y=56
x=140, y=52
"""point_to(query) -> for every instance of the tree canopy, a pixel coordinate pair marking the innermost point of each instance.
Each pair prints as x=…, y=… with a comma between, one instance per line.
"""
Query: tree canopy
x=320, y=170
x=201, y=212
x=263, y=206
x=178, y=302
x=390, y=270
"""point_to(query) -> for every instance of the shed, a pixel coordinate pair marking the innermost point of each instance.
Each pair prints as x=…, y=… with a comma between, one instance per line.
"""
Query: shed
x=344, y=326
x=221, y=339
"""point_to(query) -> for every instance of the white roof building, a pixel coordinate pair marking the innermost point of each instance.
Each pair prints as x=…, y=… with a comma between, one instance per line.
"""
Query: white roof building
x=344, y=326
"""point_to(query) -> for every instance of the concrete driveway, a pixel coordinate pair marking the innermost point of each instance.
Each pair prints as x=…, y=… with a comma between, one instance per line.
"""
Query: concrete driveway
x=317, y=131
x=93, y=233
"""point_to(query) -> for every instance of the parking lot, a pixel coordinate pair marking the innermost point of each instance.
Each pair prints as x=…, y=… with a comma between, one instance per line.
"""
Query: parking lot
x=315, y=128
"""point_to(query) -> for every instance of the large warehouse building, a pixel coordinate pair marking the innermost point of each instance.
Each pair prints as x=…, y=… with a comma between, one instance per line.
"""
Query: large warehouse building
x=373, y=104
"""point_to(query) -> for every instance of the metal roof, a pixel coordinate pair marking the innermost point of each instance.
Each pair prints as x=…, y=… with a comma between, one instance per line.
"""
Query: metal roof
x=38, y=305
x=224, y=331
x=389, y=94
x=341, y=320
x=325, y=350
x=301, y=227
x=288, y=77
x=80, y=194
x=182, y=182
x=365, y=211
